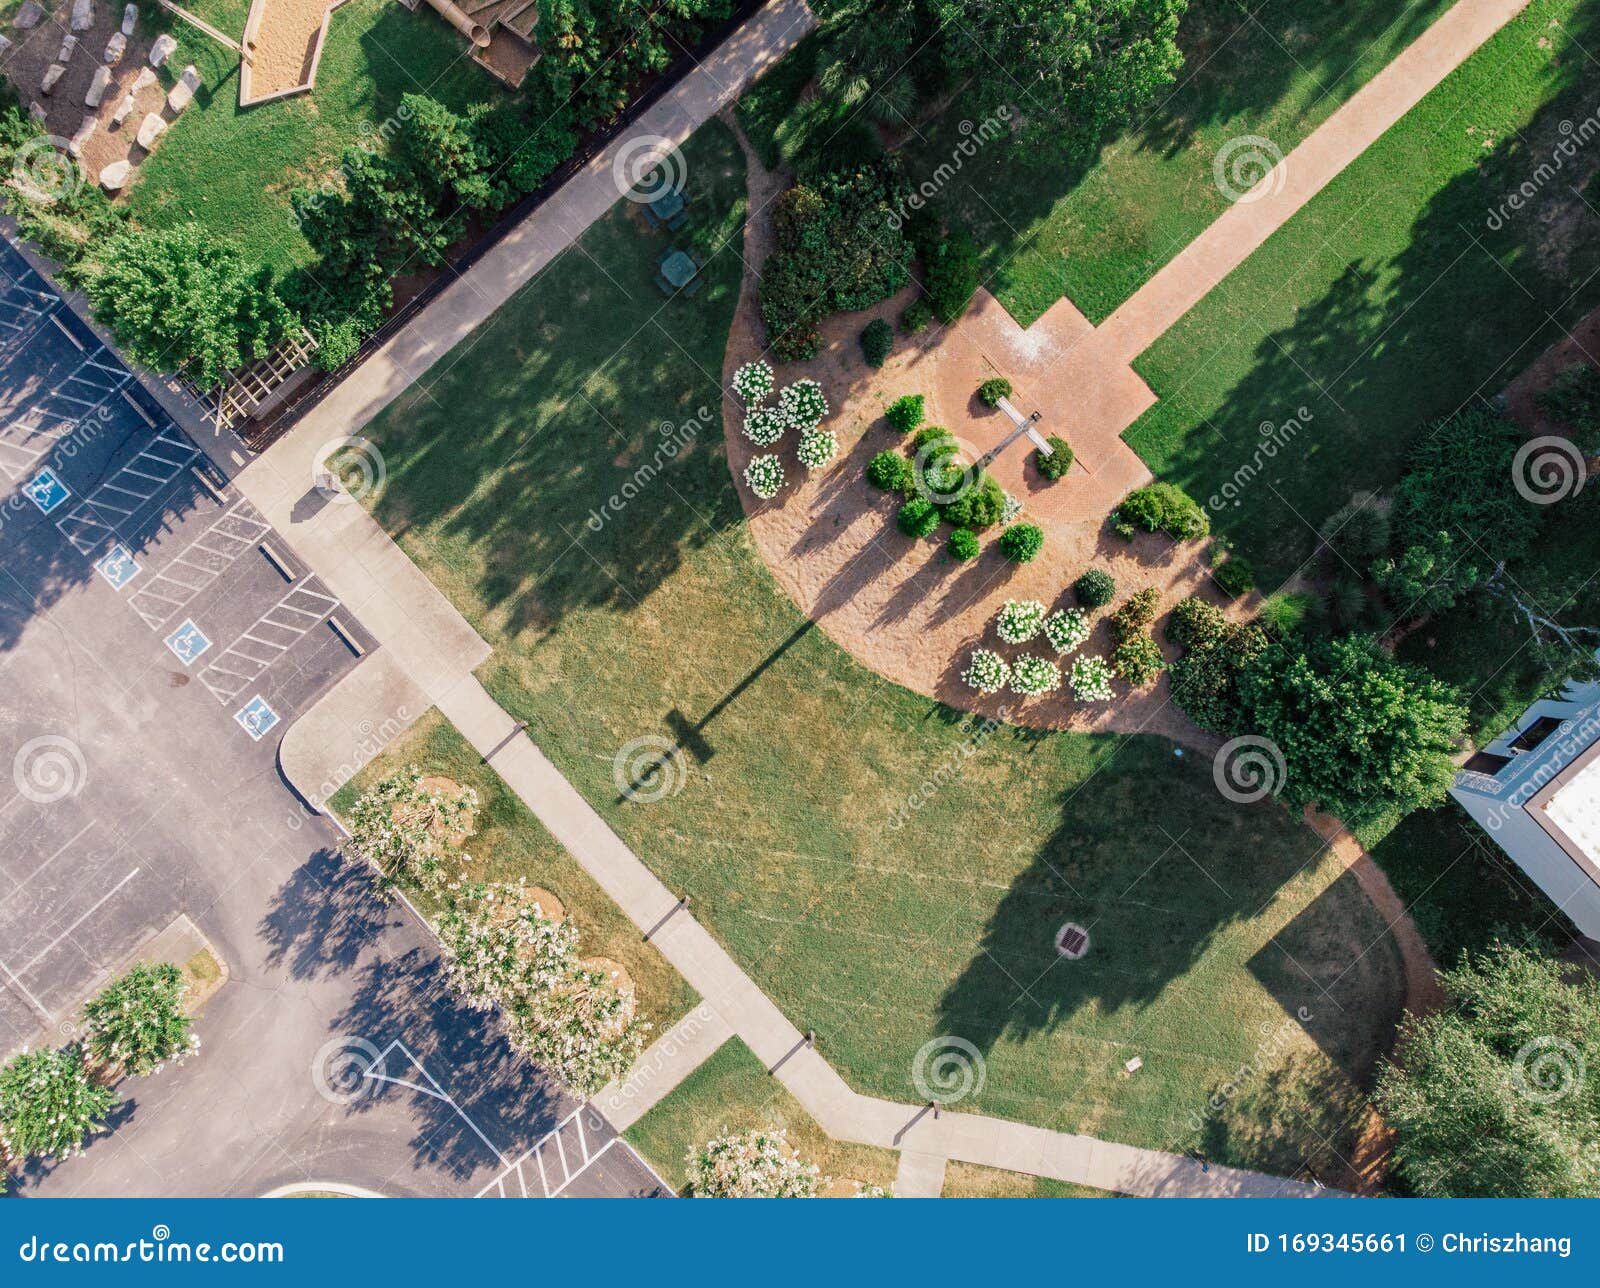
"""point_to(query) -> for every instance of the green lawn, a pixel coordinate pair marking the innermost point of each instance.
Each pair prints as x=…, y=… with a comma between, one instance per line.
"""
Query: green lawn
x=233, y=170
x=733, y=1092
x=510, y=844
x=1388, y=300
x=1211, y=924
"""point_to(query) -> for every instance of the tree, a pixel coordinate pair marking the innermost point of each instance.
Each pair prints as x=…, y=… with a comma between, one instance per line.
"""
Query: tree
x=436, y=149
x=501, y=948
x=49, y=1103
x=1356, y=728
x=751, y=1165
x=179, y=298
x=136, y=1023
x=1205, y=680
x=403, y=829
x=1084, y=67
x=1489, y=1097
x=582, y=1029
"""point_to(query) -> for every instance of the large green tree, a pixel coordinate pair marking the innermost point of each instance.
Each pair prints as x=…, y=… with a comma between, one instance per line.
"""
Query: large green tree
x=49, y=1103
x=136, y=1023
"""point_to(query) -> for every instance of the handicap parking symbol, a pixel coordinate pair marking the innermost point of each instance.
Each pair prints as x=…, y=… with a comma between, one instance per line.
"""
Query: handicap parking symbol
x=118, y=567
x=256, y=717
x=188, y=642
x=46, y=491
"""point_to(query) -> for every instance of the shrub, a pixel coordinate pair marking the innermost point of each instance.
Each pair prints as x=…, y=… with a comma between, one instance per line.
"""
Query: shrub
x=889, y=471
x=1283, y=613
x=980, y=505
x=1235, y=576
x=1021, y=542
x=803, y=403
x=1031, y=675
x=1137, y=613
x=1066, y=628
x=986, y=671
x=1205, y=680
x=817, y=448
x=752, y=382
x=904, y=414
x=917, y=517
x=402, y=827
x=1347, y=604
x=950, y=274
x=136, y=1022
x=1354, y=535
x=1164, y=507
x=918, y=314
x=764, y=476
x=1195, y=623
x=1573, y=399
x=757, y=1164
x=1090, y=679
x=49, y=1103
x=877, y=339
x=1137, y=660
x=990, y=392
x=1019, y=620
x=764, y=426
x=963, y=544
x=1058, y=462
x=935, y=434
x=1095, y=589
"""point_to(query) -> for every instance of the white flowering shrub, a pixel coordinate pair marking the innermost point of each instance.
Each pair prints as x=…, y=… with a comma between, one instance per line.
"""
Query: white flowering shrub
x=499, y=947
x=751, y=1165
x=803, y=402
x=49, y=1103
x=403, y=829
x=764, y=474
x=764, y=426
x=1031, y=675
x=867, y=1190
x=582, y=1030
x=752, y=382
x=1091, y=679
x=1066, y=628
x=1019, y=620
x=986, y=671
x=817, y=448
x=136, y=1022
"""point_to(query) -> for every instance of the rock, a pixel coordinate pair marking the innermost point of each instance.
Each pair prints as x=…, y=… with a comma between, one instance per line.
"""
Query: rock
x=28, y=16
x=115, y=47
x=82, y=14
x=5, y=44
x=52, y=74
x=36, y=110
x=143, y=80
x=69, y=46
x=161, y=48
x=130, y=16
x=124, y=108
x=115, y=175
x=182, y=93
x=97, y=87
x=82, y=136
x=151, y=129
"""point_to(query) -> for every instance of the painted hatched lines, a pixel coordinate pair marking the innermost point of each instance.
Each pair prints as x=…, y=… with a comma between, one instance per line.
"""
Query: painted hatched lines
x=239, y=528
x=93, y=521
x=31, y=437
x=22, y=311
x=244, y=661
x=551, y=1166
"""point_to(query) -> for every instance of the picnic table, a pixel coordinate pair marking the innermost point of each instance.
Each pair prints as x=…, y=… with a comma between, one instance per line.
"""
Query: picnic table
x=668, y=210
x=676, y=271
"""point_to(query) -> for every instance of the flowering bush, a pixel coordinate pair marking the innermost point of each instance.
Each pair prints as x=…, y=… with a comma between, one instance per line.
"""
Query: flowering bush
x=803, y=403
x=1031, y=674
x=1091, y=679
x=889, y=471
x=764, y=474
x=403, y=829
x=752, y=382
x=136, y=1022
x=817, y=448
x=49, y=1103
x=986, y=671
x=1066, y=628
x=764, y=426
x=1020, y=620
x=752, y=1165
x=582, y=1030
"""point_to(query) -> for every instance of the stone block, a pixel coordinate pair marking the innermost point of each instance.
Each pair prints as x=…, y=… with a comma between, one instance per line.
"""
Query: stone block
x=130, y=18
x=115, y=175
x=161, y=48
x=182, y=94
x=151, y=129
x=97, y=87
x=52, y=74
x=115, y=48
x=82, y=14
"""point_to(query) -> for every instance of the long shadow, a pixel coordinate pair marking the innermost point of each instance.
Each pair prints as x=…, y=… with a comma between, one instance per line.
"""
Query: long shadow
x=324, y=917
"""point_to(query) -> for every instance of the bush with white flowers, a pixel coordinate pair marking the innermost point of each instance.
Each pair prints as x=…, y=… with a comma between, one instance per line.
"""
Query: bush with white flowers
x=803, y=402
x=1066, y=628
x=751, y=1165
x=752, y=382
x=1031, y=675
x=986, y=671
x=1091, y=679
x=49, y=1104
x=404, y=829
x=1020, y=620
x=764, y=426
x=817, y=448
x=764, y=474
x=136, y=1023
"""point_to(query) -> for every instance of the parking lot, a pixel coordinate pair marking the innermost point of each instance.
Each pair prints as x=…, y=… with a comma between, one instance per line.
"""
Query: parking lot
x=156, y=641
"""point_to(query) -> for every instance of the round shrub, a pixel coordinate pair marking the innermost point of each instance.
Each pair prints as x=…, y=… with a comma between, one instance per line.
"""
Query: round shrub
x=935, y=434
x=990, y=392
x=1032, y=675
x=1019, y=620
x=1137, y=613
x=764, y=474
x=889, y=471
x=1058, y=462
x=803, y=403
x=1137, y=660
x=1163, y=507
x=752, y=382
x=905, y=413
x=817, y=448
x=917, y=517
x=963, y=544
x=1021, y=542
x=1066, y=628
x=918, y=314
x=980, y=505
x=877, y=338
x=1095, y=589
x=1090, y=679
x=1235, y=576
x=1196, y=624
x=1284, y=612
x=764, y=426
x=986, y=671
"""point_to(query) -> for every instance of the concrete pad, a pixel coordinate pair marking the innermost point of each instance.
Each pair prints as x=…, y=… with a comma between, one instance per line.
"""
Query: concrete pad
x=150, y=129
x=52, y=74
x=97, y=87
x=921, y=1176
x=161, y=49
x=115, y=175
x=82, y=14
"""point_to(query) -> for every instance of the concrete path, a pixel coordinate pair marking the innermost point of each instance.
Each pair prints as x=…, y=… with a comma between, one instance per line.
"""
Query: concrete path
x=921, y=1176
x=671, y=1058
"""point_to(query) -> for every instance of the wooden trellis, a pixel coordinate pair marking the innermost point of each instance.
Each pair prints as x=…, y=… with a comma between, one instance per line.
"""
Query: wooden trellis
x=250, y=386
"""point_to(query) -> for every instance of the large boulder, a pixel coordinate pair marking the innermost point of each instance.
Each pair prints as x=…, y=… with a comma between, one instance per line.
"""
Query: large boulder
x=143, y=80
x=82, y=14
x=182, y=94
x=52, y=74
x=97, y=87
x=151, y=129
x=115, y=175
x=29, y=16
x=115, y=48
x=161, y=48
x=130, y=17
x=124, y=110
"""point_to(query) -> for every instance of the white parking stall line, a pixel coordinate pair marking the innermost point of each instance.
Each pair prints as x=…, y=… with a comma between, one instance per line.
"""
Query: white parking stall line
x=49, y=948
x=18, y=888
x=92, y=520
x=536, y=1156
x=25, y=441
x=272, y=635
x=432, y=1090
x=22, y=311
x=200, y=563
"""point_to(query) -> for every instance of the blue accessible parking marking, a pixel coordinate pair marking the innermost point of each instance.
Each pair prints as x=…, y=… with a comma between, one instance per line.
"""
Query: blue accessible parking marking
x=46, y=491
x=188, y=642
x=256, y=717
x=118, y=567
